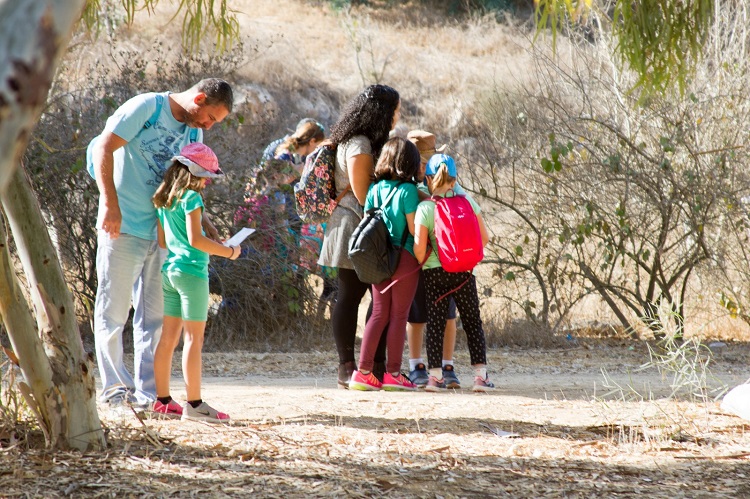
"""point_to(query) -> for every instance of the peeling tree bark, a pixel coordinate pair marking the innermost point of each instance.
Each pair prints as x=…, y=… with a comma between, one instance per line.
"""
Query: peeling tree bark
x=72, y=370
x=33, y=36
x=27, y=346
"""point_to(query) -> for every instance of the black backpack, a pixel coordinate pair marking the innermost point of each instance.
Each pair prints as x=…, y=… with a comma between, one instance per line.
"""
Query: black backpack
x=374, y=257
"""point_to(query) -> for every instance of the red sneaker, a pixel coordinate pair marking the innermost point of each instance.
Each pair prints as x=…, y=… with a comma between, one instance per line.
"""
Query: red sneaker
x=367, y=382
x=398, y=383
x=172, y=410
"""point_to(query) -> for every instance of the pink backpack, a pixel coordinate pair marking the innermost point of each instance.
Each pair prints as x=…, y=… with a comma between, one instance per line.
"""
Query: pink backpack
x=459, y=241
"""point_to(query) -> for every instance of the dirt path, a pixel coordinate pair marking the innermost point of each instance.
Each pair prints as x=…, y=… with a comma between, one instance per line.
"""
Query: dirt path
x=294, y=434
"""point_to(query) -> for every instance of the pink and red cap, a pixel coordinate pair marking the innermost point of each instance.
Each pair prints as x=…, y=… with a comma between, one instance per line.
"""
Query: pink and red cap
x=200, y=160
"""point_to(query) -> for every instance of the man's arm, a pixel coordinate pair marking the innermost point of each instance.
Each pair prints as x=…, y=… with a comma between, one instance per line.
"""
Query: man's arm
x=104, y=164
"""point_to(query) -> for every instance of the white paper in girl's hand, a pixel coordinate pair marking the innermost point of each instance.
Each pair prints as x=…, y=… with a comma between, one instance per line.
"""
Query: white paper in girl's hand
x=239, y=237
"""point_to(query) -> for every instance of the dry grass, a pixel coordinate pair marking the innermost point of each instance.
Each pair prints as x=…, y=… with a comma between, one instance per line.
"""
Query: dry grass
x=294, y=434
x=439, y=67
x=442, y=69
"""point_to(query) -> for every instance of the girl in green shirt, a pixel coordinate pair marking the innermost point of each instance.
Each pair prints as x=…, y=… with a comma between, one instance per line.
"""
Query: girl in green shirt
x=185, y=279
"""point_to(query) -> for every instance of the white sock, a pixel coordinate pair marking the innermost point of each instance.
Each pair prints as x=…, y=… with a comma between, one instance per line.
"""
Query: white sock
x=447, y=363
x=481, y=372
x=437, y=372
x=414, y=362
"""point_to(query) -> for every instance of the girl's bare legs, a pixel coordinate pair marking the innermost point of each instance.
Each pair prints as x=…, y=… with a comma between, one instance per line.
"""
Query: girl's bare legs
x=170, y=338
x=415, y=336
x=192, y=359
x=449, y=339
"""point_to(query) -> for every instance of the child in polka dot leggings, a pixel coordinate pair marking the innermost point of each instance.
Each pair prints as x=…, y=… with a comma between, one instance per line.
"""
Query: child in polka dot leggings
x=439, y=284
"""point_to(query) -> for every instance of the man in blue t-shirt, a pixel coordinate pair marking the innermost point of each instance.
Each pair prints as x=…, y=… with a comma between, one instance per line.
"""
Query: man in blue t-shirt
x=129, y=160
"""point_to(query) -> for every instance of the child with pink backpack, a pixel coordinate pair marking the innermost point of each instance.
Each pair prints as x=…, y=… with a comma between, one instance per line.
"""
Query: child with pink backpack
x=452, y=227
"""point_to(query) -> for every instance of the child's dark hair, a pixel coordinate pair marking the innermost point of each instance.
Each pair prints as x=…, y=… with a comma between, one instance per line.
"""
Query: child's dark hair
x=399, y=160
x=177, y=179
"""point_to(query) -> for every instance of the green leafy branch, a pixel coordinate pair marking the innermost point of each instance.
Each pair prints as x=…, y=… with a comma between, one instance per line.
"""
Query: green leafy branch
x=201, y=18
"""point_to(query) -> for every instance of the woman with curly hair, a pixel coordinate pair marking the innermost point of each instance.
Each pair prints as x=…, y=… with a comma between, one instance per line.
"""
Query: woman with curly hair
x=359, y=135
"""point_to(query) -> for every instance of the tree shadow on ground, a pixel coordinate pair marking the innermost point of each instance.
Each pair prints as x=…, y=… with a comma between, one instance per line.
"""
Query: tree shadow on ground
x=255, y=460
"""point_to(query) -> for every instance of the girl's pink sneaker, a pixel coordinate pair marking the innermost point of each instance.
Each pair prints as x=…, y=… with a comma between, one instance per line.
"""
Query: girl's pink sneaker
x=398, y=383
x=367, y=382
x=172, y=410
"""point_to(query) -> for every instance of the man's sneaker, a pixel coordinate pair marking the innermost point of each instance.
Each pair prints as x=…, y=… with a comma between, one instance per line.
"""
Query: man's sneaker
x=172, y=410
x=139, y=407
x=483, y=385
x=451, y=380
x=397, y=384
x=203, y=412
x=419, y=376
x=435, y=385
x=367, y=382
x=117, y=407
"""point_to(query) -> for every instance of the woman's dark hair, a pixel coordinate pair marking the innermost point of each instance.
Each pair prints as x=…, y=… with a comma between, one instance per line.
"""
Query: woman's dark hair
x=370, y=114
x=399, y=160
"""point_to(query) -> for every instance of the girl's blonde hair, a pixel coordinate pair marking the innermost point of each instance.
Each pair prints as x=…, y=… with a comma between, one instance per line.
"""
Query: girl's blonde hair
x=311, y=130
x=177, y=180
x=441, y=177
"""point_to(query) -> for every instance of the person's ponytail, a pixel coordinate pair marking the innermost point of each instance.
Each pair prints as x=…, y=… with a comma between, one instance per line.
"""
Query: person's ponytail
x=441, y=177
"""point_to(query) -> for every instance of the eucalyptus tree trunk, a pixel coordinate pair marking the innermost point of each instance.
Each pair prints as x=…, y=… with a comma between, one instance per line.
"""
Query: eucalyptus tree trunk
x=69, y=407
x=58, y=380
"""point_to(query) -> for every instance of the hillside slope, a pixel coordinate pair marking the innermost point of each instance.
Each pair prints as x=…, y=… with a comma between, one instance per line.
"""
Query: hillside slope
x=303, y=53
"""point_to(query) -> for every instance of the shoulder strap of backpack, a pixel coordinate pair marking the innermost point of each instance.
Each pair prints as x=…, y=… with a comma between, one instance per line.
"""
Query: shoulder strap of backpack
x=193, y=135
x=155, y=116
x=390, y=195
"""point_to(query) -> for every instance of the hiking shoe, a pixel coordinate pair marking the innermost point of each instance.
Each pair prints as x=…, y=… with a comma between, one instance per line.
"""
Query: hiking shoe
x=435, y=385
x=419, y=376
x=367, y=382
x=203, y=412
x=345, y=374
x=397, y=384
x=172, y=410
x=451, y=380
x=117, y=407
x=483, y=385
